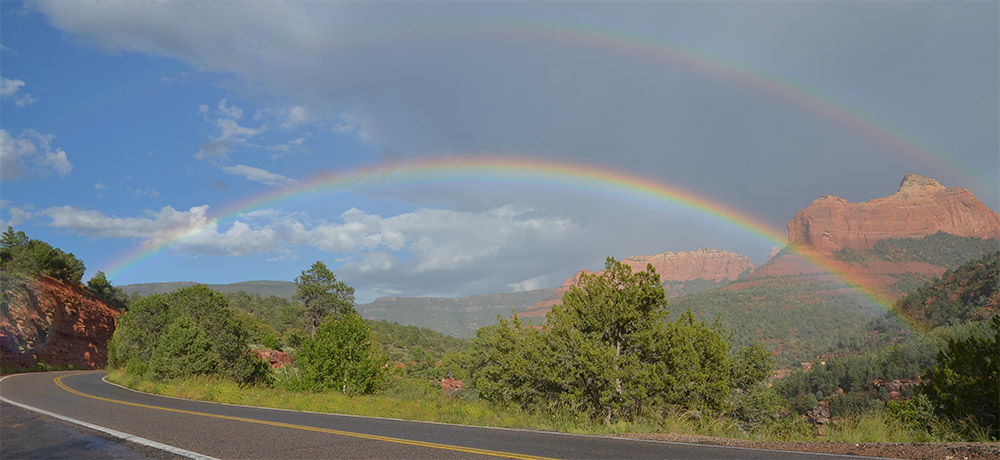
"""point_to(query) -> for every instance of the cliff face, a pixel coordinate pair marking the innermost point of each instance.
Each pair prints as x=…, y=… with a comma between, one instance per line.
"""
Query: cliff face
x=44, y=320
x=674, y=269
x=919, y=208
x=707, y=264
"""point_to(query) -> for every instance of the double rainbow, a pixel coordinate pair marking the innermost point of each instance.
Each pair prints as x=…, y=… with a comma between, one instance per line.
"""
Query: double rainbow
x=505, y=169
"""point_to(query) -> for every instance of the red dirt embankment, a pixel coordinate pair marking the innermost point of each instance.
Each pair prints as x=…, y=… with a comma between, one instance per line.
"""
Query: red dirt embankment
x=43, y=320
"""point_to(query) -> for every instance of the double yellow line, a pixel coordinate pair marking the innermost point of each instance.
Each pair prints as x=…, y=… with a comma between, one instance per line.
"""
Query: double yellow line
x=471, y=450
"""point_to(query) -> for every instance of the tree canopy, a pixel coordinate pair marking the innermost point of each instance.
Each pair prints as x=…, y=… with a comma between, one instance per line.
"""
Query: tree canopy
x=187, y=332
x=344, y=356
x=18, y=253
x=607, y=352
x=322, y=295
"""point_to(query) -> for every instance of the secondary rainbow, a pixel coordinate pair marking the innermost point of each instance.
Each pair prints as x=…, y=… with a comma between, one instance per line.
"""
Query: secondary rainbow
x=645, y=46
x=591, y=179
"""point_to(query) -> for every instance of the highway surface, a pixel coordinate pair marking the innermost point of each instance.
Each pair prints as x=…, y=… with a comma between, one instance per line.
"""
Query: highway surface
x=196, y=428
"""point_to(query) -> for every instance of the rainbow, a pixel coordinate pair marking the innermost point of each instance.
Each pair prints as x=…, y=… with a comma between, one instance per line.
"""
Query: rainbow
x=598, y=180
x=624, y=42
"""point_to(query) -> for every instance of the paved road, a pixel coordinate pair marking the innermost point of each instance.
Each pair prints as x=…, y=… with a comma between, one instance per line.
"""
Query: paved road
x=224, y=431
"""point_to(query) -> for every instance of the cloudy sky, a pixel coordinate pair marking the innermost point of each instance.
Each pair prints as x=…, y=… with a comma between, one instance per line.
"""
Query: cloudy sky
x=141, y=136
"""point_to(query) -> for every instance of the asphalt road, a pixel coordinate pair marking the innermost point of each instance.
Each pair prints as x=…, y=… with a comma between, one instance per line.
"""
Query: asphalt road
x=225, y=431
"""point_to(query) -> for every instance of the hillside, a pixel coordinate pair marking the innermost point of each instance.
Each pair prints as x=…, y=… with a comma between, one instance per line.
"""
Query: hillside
x=284, y=289
x=968, y=293
x=887, y=355
x=458, y=317
x=802, y=313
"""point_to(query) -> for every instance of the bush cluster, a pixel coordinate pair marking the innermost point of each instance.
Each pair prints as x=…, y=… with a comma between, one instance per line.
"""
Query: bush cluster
x=608, y=352
x=191, y=331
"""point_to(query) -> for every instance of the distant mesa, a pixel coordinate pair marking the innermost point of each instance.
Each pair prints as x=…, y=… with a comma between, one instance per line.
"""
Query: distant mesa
x=677, y=270
x=921, y=207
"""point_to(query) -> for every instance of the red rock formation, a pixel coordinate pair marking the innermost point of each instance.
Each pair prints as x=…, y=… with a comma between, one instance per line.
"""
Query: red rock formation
x=539, y=309
x=44, y=320
x=707, y=264
x=277, y=359
x=452, y=387
x=921, y=207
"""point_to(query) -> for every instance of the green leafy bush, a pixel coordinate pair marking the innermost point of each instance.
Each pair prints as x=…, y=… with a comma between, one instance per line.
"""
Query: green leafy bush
x=966, y=382
x=191, y=331
x=344, y=356
x=606, y=353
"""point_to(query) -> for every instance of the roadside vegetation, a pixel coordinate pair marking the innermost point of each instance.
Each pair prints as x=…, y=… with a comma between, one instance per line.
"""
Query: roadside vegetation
x=607, y=361
x=611, y=359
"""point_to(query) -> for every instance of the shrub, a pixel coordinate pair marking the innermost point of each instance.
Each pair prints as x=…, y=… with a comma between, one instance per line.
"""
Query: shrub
x=343, y=356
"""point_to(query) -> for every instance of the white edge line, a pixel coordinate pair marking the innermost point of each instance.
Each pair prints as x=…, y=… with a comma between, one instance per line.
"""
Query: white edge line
x=527, y=430
x=118, y=434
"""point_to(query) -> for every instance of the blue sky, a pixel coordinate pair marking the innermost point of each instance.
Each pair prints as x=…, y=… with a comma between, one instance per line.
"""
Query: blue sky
x=124, y=123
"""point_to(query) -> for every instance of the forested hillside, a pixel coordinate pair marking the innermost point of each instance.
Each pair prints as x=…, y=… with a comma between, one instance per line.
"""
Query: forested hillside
x=801, y=316
x=48, y=318
x=888, y=360
x=283, y=289
x=459, y=317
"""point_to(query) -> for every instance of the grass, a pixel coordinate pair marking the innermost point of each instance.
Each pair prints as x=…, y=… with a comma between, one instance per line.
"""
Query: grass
x=415, y=399
x=411, y=399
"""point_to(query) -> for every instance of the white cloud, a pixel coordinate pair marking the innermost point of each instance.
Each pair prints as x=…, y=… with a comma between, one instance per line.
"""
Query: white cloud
x=231, y=134
x=377, y=262
x=232, y=111
x=296, y=116
x=10, y=87
x=30, y=153
x=260, y=175
x=58, y=161
x=9, y=90
x=286, y=148
x=140, y=192
x=17, y=217
x=153, y=227
x=100, y=186
x=440, y=240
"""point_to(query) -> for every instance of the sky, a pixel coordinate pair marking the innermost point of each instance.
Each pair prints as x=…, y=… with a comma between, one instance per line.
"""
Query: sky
x=221, y=142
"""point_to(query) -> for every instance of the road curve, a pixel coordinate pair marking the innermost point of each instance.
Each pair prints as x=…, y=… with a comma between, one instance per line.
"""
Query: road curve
x=225, y=431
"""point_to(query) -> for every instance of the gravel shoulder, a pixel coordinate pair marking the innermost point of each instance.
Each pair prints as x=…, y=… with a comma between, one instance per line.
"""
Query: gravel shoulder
x=918, y=451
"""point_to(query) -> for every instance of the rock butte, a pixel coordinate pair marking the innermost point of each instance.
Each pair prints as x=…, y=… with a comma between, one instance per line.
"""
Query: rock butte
x=707, y=264
x=921, y=207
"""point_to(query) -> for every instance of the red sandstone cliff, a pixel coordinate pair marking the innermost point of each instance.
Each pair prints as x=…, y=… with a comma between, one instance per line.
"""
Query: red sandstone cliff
x=921, y=207
x=45, y=320
x=706, y=264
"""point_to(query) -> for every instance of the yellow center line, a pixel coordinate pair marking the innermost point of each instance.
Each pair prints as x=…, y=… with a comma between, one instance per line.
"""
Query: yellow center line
x=471, y=450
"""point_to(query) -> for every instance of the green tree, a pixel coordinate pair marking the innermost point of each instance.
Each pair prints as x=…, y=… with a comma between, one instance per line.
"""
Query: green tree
x=966, y=381
x=114, y=296
x=608, y=337
x=321, y=293
x=18, y=253
x=11, y=243
x=162, y=330
x=183, y=349
x=510, y=365
x=698, y=368
x=751, y=365
x=345, y=356
x=138, y=331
